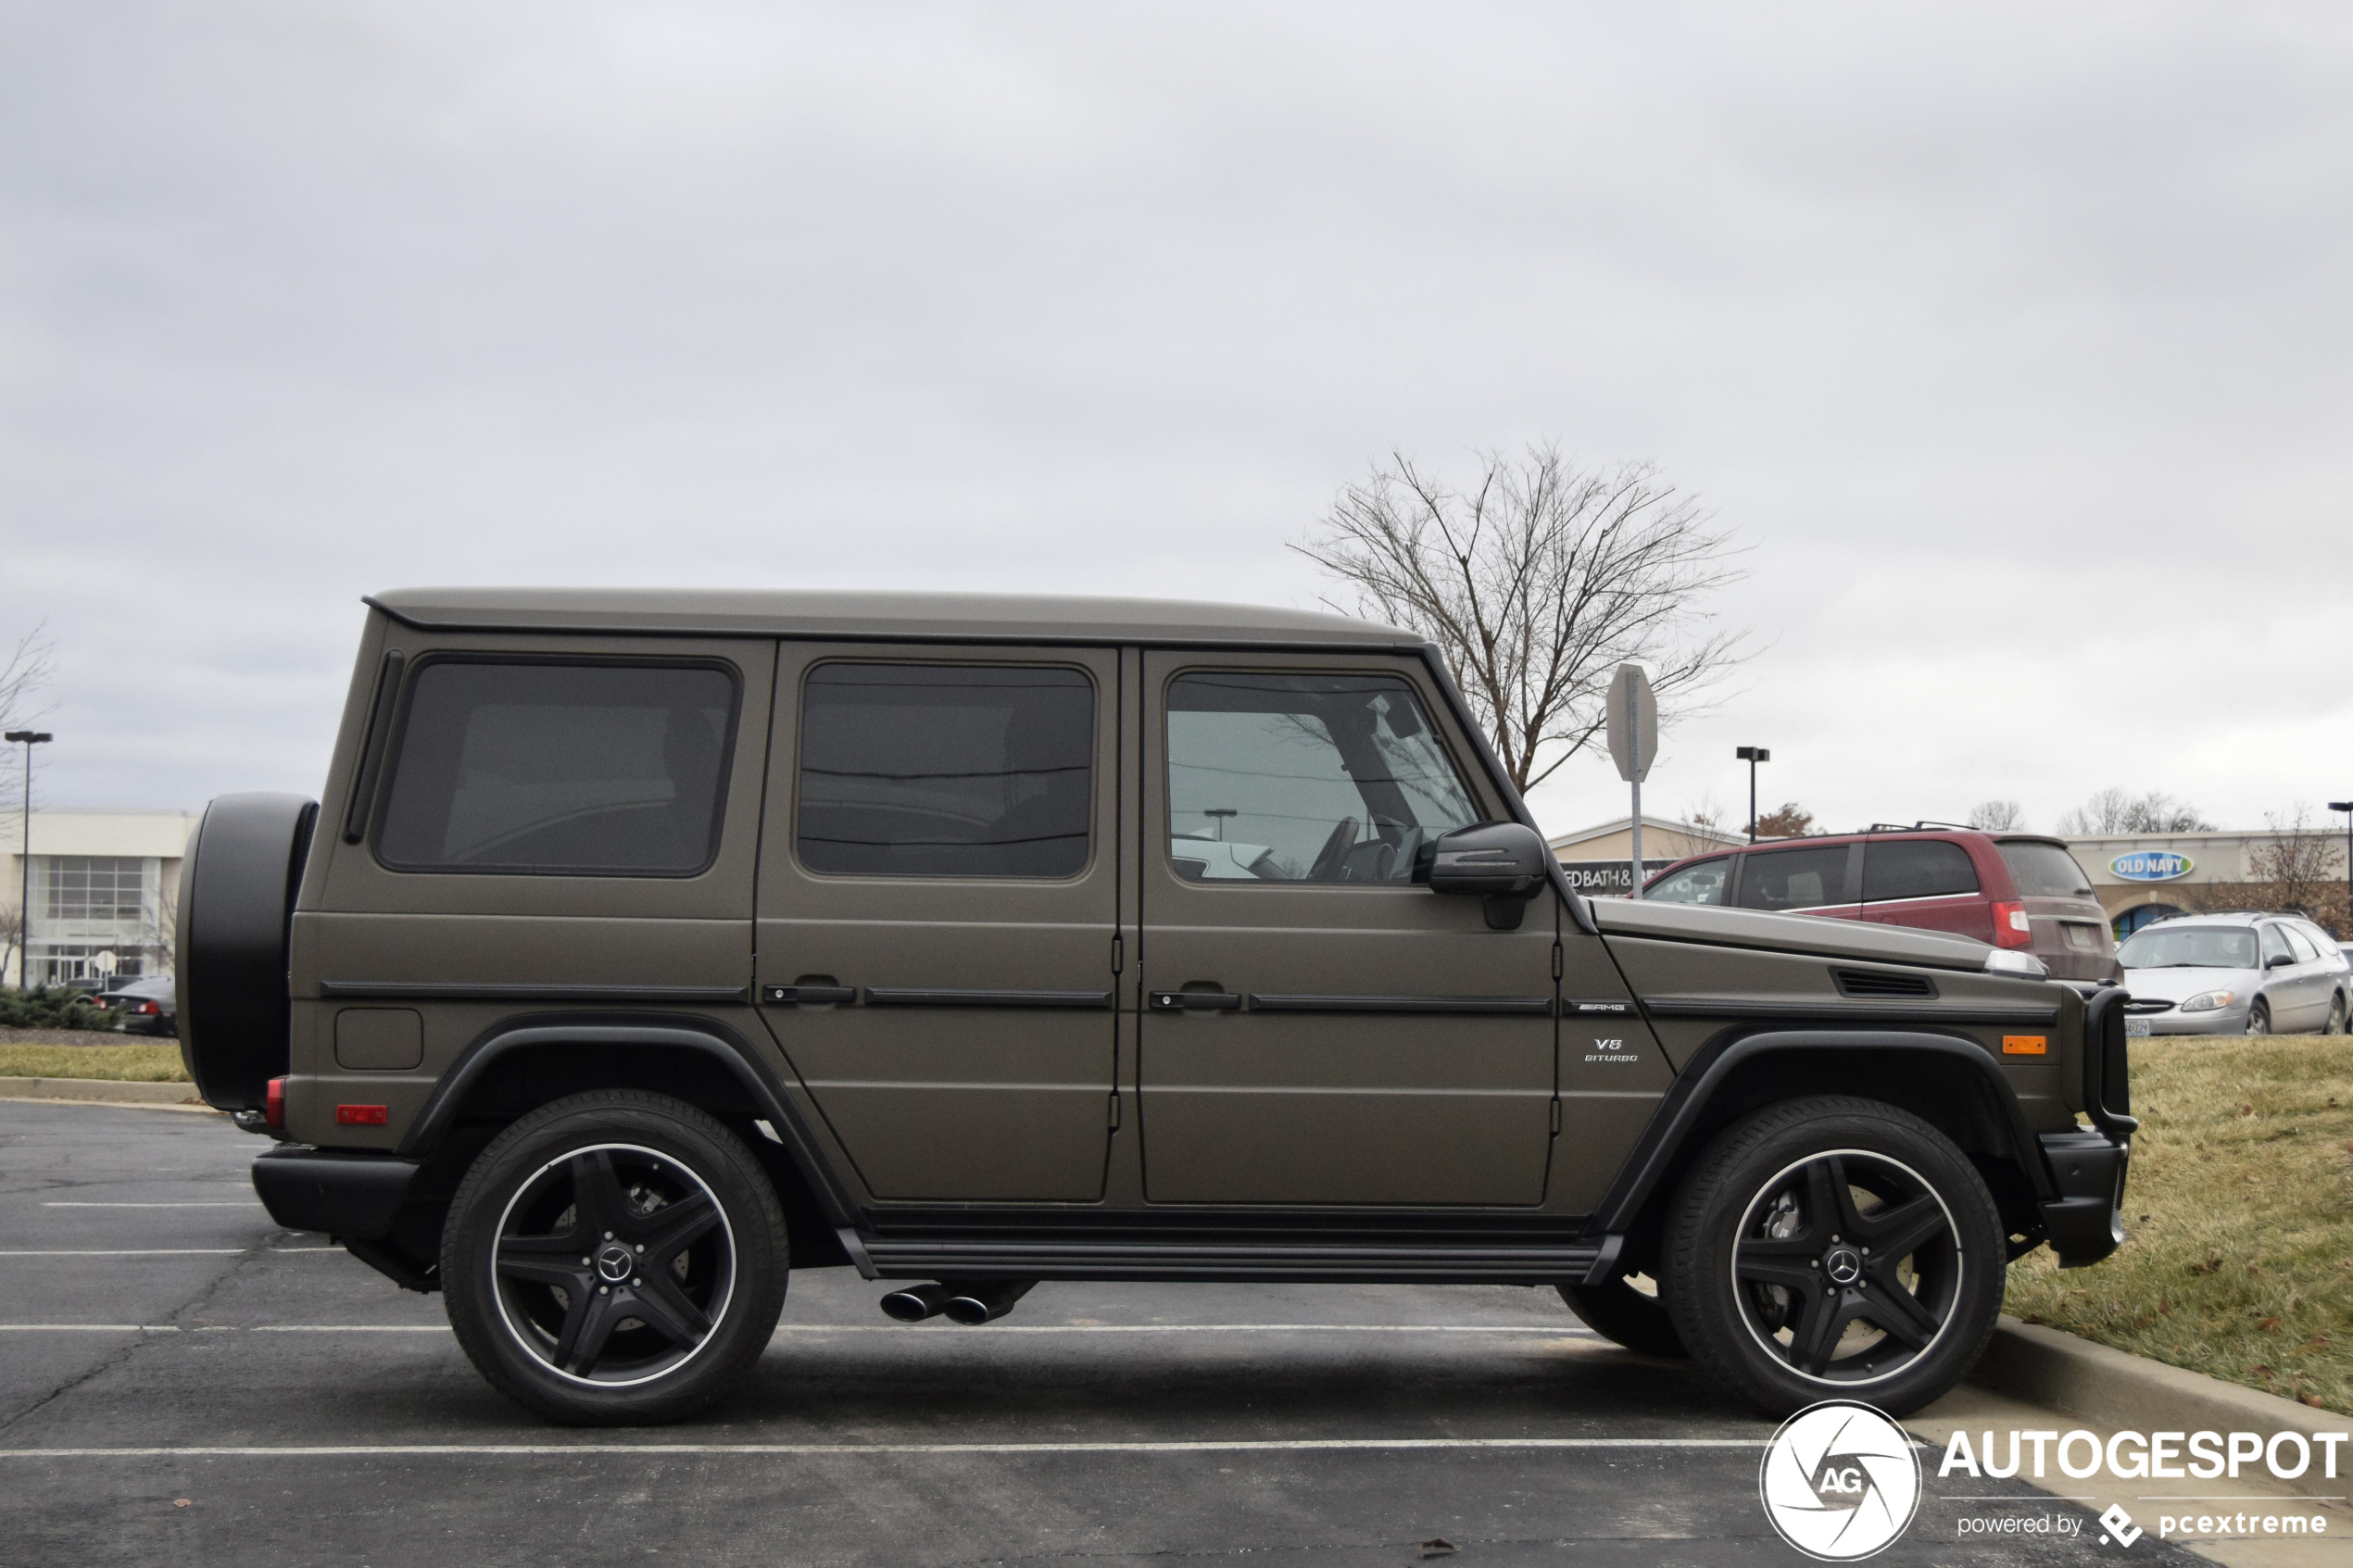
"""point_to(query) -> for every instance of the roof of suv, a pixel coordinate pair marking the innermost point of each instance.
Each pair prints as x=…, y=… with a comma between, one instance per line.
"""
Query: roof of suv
x=894, y=617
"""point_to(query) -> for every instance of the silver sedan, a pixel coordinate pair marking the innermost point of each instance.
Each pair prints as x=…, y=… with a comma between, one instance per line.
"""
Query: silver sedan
x=2236, y=974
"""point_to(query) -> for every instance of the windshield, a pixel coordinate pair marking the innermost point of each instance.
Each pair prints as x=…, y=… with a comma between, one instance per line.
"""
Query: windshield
x=2044, y=870
x=2191, y=947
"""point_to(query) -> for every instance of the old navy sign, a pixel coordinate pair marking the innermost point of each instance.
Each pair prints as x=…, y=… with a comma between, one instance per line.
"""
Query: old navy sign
x=2152, y=865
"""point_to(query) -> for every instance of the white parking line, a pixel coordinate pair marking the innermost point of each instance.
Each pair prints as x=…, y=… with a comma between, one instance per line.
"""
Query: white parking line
x=207, y=1203
x=148, y=1252
x=1543, y=1330
x=1287, y=1445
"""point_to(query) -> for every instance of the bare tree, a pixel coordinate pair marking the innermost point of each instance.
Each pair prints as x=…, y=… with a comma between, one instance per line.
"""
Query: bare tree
x=1997, y=816
x=1535, y=584
x=2117, y=809
x=11, y=933
x=2301, y=866
x=24, y=670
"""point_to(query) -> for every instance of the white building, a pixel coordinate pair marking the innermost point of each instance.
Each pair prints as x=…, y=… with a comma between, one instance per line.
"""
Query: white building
x=104, y=885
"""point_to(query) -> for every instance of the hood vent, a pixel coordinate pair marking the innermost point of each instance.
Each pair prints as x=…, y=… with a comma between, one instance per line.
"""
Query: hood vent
x=1878, y=983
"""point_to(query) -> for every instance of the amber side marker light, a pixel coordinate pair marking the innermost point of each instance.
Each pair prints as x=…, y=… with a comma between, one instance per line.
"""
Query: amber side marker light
x=363, y=1115
x=2026, y=1045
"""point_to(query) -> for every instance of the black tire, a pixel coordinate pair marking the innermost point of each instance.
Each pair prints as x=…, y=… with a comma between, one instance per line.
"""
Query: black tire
x=586, y=1193
x=237, y=908
x=1769, y=1217
x=2258, y=1017
x=1625, y=1316
x=2335, y=1024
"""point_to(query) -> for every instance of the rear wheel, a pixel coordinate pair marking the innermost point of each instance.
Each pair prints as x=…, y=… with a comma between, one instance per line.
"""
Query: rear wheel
x=1624, y=1313
x=2335, y=1026
x=1834, y=1248
x=614, y=1257
x=2258, y=1017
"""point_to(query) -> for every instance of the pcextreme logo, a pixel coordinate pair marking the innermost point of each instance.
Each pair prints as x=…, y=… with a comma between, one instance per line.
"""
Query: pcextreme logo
x=1840, y=1481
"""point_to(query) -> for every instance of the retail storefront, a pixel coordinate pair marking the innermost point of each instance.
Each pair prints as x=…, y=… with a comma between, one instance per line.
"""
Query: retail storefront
x=104, y=886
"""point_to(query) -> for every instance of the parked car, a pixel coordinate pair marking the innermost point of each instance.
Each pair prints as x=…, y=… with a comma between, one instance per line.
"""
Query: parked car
x=2238, y=973
x=653, y=945
x=142, y=1007
x=2012, y=890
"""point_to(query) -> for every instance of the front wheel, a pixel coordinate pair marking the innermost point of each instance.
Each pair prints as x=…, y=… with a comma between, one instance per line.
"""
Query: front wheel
x=1834, y=1248
x=2258, y=1017
x=614, y=1257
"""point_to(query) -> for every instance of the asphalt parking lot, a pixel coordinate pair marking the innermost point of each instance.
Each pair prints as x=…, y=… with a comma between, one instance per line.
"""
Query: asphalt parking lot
x=162, y=1340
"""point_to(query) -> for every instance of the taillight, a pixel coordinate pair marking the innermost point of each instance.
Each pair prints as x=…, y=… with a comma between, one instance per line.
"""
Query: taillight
x=274, y=1104
x=2010, y=929
x=146, y=1007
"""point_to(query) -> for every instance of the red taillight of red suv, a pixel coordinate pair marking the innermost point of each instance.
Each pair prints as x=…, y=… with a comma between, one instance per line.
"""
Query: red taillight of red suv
x=2010, y=929
x=274, y=1104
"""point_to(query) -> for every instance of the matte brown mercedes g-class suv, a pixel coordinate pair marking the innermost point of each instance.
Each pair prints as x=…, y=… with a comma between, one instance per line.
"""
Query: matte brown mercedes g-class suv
x=652, y=943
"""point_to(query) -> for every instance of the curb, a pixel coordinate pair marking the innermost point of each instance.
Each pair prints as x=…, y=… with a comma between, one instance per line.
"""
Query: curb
x=2045, y=1367
x=104, y=1091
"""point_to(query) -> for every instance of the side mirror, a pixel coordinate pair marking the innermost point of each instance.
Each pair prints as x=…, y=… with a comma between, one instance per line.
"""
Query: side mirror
x=1502, y=863
x=2277, y=961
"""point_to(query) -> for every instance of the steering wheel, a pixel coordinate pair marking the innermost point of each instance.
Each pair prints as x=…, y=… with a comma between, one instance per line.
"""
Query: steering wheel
x=1330, y=858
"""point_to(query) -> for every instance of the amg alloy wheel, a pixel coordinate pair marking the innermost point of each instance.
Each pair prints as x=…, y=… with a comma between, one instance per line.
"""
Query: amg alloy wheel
x=1835, y=1249
x=614, y=1256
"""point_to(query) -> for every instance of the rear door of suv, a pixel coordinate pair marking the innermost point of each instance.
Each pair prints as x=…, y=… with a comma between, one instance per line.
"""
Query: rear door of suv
x=937, y=904
x=1802, y=879
x=1925, y=882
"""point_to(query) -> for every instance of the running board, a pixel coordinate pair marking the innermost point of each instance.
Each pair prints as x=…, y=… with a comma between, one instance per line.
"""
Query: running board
x=1011, y=1257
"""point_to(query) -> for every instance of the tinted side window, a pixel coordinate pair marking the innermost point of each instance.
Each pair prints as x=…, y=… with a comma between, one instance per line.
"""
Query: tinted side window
x=1701, y=884
x=1915, y=868
x=1795, y=879
x=564, y=770
x=1304, y=778
x=964, y=771
x=2044, y=870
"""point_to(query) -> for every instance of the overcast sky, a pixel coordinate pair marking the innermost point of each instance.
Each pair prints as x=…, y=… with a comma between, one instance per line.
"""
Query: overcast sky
x=2012, y=342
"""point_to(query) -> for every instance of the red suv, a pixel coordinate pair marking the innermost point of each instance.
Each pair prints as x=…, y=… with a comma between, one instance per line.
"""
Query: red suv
x=2011, y=890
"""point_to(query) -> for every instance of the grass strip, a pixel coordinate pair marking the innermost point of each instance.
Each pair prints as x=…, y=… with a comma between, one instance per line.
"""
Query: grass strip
x=120, y=1064
x=2240, y=1214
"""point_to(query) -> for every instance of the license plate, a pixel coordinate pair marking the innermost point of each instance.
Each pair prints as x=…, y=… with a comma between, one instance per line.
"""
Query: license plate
x=2135, y=1028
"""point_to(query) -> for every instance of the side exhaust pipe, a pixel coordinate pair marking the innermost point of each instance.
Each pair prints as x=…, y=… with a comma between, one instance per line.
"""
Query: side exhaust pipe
x=916, y=1302
x=978, y=1301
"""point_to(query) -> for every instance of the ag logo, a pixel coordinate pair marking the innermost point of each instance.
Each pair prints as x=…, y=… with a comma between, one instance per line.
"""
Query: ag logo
x=1840, y=1481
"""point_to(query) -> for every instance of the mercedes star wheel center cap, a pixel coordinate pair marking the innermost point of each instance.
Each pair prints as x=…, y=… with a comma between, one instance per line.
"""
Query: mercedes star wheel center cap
x=614, y=1261
x=1843, y=1265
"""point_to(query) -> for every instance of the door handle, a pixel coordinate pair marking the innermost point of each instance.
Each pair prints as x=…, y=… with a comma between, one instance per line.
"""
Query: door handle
x=798, y=995
x=1195, y=1001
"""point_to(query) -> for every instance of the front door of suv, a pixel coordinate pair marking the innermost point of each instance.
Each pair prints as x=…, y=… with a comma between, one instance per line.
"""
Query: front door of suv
x=1318, y=1028
x=937, y=900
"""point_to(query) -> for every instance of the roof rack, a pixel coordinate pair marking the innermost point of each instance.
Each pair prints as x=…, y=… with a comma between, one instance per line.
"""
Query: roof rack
x=1920, y=827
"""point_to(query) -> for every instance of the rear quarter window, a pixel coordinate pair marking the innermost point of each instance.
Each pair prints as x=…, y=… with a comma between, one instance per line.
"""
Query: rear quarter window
x=2044, y=870
x=1916, y=868
x=559, y=769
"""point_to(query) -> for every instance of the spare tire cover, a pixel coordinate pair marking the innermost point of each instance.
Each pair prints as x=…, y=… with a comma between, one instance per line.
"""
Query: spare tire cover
x=236, y=905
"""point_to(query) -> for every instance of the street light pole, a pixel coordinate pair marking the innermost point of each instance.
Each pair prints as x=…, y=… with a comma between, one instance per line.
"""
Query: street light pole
x=2347, y=807
x=1751, y=755
x=24, y=860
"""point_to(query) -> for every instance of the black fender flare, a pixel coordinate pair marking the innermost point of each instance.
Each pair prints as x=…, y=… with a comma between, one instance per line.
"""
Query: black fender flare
x=1685, y=1104
x=705, y=1036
